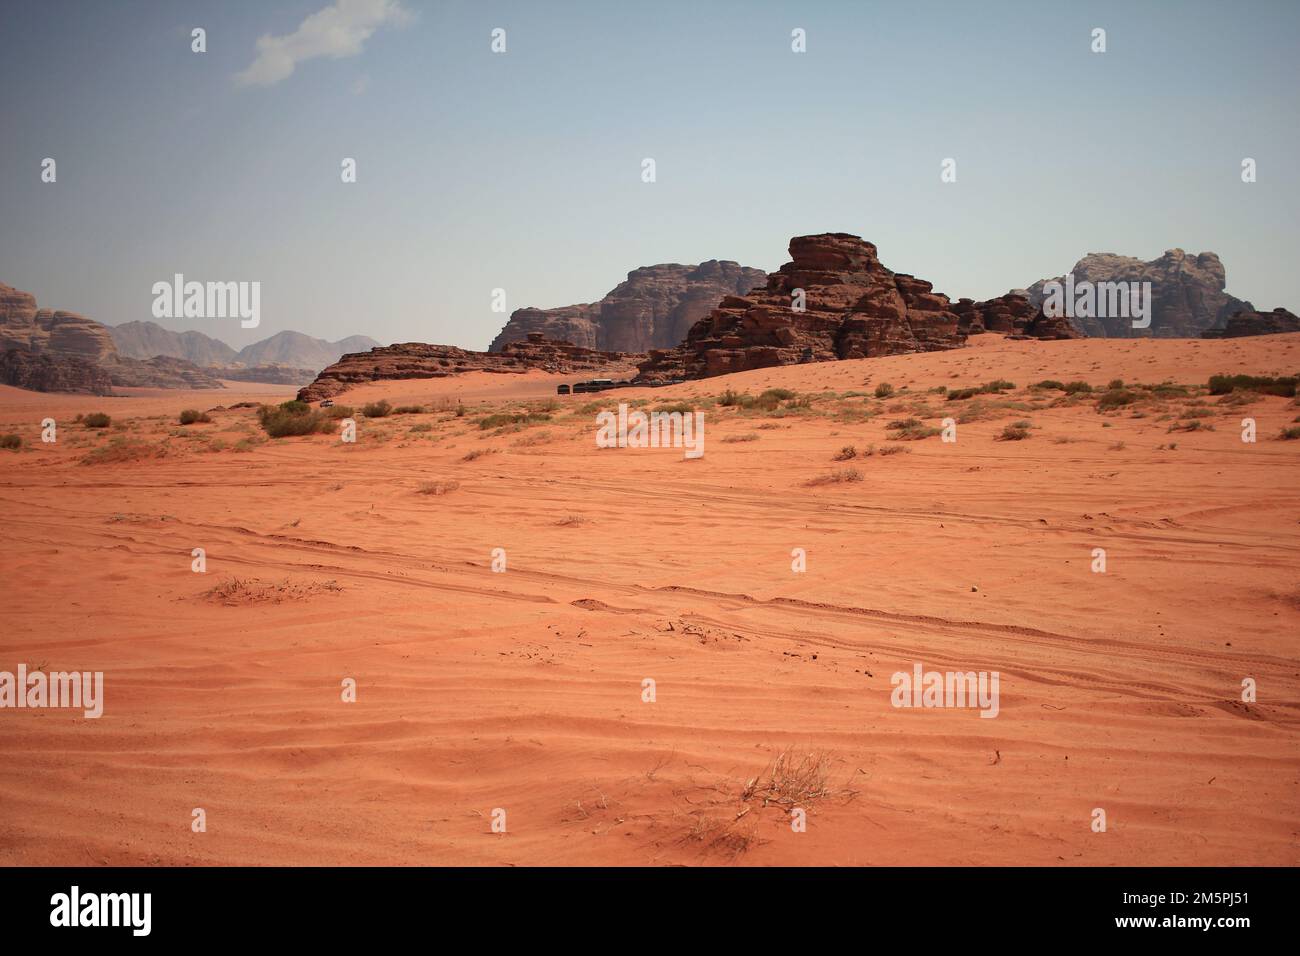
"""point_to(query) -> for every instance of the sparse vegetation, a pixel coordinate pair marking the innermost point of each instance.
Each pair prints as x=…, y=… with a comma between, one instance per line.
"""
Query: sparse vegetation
x=407, y=410
x=1290, y=433
x=438, y=487
x=192, y=416
x=122, y=450
x=379, y=409
x=1223, y=384
x=479, y=453
x=884, y=390
x=846, y=453
x=792, y=779
x=1016, y=431
x=97, y=420
x=11, y=441
x=292, y=418
x=988, y=388
x=1115, y=398
x=733, y=439
x=835, y=477
x=502, y=419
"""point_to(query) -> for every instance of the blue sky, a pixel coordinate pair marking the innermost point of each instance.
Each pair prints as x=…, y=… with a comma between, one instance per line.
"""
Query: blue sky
x=522, y=171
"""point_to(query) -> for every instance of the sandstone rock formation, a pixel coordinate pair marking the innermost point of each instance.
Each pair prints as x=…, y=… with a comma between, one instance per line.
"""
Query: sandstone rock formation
x=653, y=308
x=161, y=371
x=1012, y=315
x=418, y=360
x=1250, y=322
x=44, y=372
x=854, y=307
x=1186, y=290
x=49, y=332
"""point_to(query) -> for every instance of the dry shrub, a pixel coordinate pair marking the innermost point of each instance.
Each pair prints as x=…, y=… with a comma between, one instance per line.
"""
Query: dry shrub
x=123, y=451
x=793, y=778
x=235, y=592
x=836, y=477
x=438, y=487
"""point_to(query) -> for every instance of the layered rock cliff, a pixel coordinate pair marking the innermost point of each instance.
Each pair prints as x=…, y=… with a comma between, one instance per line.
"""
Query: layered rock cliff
x=653, y=308
x=418, y=360
x=835, y=300
x=1187, y=293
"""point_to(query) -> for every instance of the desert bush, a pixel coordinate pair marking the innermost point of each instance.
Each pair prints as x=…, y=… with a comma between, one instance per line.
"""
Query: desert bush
x=438, y=487
x=379, y=409
x=292, y=418
x=836, y=477
x=1015, y=431
x=1223, y=384
x=406, y=410
x=1077, y=388
x=1115, y=383
x=684, y=408
x=733, y=439
x=1290, y=433
x=1115, y=398
x=911, y=429
x=11, y=441
x=479, y=453
x=1050, y=383
x=894, y=450
x=512, y=418
x=192, y=415
x=846, y=453
x=340, y=411
x=421, y=427
x=96, y=420
x=123, y=450
x=884, y=390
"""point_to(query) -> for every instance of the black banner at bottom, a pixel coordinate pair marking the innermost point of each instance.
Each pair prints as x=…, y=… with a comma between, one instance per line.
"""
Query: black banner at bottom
x=301, y=906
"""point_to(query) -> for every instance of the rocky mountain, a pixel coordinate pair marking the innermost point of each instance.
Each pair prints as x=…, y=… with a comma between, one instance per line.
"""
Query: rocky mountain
x=653, y=308
x=292, y=350
x=47, y=332
x=852, y=307
x=296, y=350
x=1250, y=322
x=44, y=372
x=418, y=360
x=161, y=371
x=144, y=340
x=1187, y=294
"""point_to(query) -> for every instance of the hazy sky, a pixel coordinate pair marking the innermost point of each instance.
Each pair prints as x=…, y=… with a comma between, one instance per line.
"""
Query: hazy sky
x=523, y=170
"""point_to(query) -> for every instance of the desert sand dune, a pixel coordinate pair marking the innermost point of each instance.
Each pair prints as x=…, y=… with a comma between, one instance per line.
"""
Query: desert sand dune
x=522, y=690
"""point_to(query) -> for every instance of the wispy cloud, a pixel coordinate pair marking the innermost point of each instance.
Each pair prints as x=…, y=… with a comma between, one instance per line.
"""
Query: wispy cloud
x=337, y=31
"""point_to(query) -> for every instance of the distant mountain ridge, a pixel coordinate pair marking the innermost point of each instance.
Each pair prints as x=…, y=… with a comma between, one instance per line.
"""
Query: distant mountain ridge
x=292, y=349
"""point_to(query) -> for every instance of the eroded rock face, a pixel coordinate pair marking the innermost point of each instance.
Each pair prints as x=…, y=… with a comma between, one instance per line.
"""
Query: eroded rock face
x=1187, y=294
x=653, y=308
x=50, y=332
x=854, y=307
x=418, y=360
x=1250, y=322
x=161, y=371
x=1012, y=315
x=52, y=373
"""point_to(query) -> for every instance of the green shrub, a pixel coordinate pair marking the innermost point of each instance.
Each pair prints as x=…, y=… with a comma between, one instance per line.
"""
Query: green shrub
x=292, y=418
x=97, y=420
x=1016, y=431
x=1223, y=384
x=1115, y=398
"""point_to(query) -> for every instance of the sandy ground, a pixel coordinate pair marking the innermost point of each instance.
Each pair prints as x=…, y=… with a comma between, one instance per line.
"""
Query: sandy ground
x=523, y=690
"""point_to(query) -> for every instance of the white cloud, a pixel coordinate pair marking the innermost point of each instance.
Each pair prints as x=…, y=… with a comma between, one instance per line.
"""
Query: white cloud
x=337, y=31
